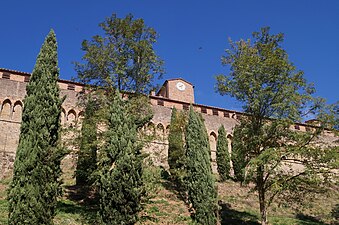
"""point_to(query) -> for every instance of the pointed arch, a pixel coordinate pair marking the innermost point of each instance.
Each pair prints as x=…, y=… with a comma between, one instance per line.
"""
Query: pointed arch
x=167, y=130
x=150, y=128
x=229, y=141
x=160, y=131
x=81, y=116
x=63, y=116
x=17, y=111
x=160, y=128
x=71, y=117
x=6, y=109
x=213, y=145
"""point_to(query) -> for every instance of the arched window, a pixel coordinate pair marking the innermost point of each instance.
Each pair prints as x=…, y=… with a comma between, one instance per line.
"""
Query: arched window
x=213, y=145
x=17, y=111
x=71, y=117
x=63, y=116
x=6, y=110
x=150, y=129
x=229, y=141
x=81, y=116
x=160, y=131
x=167, y=130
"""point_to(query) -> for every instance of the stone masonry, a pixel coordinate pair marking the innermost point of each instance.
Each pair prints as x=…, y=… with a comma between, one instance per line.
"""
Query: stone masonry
x=176, y=93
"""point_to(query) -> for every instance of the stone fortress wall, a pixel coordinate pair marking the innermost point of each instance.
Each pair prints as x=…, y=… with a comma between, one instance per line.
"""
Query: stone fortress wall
x=176, y=93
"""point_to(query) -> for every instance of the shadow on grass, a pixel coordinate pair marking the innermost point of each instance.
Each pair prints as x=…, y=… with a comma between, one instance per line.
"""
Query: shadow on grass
x=82, y=201
x=231, y=216
x=173, y=187
x=306, y=219
x=88, y=214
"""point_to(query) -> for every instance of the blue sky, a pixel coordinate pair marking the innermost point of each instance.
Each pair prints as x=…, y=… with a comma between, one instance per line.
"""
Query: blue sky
x=193, y=35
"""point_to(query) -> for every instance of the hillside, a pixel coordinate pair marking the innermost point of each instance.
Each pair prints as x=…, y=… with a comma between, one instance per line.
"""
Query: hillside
x=164, y=205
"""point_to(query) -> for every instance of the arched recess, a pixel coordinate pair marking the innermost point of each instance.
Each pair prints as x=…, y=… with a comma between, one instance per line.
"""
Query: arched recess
x=6, y=108
x=17, y=111
x=213, y=145
x=71, y=117
x=81, y=116
x=167, y=130
x=229, y=141
x=63, y=116
x=150, y=129
x=160, y=131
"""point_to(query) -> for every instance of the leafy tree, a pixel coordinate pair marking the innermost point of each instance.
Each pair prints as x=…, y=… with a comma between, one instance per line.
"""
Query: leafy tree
x=35, y=187
x=123, y=57
x=120, y=172
x=275, y=95
x=200, y=181
x=176, y=147
x=87, y=156
x=223, y=156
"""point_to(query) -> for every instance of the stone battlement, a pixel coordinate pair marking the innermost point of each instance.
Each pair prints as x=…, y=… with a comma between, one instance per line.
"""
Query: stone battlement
x=176, y=93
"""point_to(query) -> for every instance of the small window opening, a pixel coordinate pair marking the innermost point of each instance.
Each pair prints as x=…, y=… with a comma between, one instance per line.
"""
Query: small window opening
x=71, y=87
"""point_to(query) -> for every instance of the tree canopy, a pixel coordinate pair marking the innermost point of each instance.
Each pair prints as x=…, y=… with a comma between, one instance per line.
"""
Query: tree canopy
x=200, y=181
x=35, y=186
x=275, y=96
x=123, y=57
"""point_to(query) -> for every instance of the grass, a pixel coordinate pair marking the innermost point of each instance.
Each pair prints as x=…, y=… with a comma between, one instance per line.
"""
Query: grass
x=165, y=205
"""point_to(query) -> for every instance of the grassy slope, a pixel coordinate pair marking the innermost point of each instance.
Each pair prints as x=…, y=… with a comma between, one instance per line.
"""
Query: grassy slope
x=165, y=206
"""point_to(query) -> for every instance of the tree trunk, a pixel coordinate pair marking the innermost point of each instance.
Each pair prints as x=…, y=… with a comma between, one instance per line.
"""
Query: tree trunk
x=261, y=192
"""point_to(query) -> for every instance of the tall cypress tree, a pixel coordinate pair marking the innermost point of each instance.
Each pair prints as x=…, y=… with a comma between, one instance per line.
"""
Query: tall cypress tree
x=176, y=148
x=35, y=186
x=120, y=182
x=87, y=157
x=238, y=155
x=200, y=181
x=223, y=157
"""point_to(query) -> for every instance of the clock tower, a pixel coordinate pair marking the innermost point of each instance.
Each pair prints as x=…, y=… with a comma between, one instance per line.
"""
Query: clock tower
x=177, y=89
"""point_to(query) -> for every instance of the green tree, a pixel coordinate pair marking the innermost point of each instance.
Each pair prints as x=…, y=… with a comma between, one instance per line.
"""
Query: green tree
x=35, y=187
x=176, y=147
x=123, y=58
x=120, y=172
x=87, y=156
x=275, y=95
x=200, y=181
x=238, y=155
x=223, y=156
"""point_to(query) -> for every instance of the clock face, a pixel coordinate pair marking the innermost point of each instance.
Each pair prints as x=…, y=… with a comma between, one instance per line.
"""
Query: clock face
x=181, y=86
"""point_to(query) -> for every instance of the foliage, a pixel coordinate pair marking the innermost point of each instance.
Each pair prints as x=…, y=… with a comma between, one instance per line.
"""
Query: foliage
x=200, y=181
x=35, y=187
x=151, y=178
x=176, y=148
x=87, y=156
x=238, y=155
x=223, y=156
x=123, y=57
x=284, y=164
x=120, y=169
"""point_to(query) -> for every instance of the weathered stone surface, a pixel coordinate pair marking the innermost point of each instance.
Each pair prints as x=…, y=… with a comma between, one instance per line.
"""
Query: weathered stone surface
x=13, y=90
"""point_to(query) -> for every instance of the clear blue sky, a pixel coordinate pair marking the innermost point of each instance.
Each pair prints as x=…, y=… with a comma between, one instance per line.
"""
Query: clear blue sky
x=193, y=35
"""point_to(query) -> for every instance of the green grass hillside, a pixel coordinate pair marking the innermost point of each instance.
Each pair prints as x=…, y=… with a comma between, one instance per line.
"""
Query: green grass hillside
x=164, y=205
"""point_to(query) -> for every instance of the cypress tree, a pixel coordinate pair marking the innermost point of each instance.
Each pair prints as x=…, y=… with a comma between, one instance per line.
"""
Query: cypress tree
x=238, y=155
x=200, y=181
x=176, y=148
x=120, y=182
x=223, y=157
x=87, y=156
x=35, y=186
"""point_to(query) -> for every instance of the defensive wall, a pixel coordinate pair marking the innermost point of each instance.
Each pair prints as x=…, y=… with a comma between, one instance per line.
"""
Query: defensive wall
x=176, y=93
